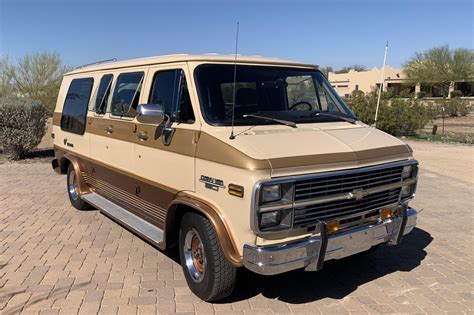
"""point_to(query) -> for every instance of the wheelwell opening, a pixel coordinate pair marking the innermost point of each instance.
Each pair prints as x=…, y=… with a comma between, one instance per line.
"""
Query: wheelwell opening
x=175, y=215
x=64, y=165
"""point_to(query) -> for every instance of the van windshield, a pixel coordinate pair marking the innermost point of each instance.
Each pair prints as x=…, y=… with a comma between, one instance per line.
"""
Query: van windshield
x=277, y=93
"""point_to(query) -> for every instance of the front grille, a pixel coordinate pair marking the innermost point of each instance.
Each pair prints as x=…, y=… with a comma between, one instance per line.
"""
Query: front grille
x=306, y=216
x=345, y=183
x=337, y=184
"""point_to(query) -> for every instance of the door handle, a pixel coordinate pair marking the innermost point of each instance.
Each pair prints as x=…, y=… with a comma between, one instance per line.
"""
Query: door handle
x=109, y=129
x=143, y=135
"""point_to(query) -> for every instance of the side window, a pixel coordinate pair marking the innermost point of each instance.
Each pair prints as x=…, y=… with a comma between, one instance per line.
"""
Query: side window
x=170, y=90
x=99, y=102
x=74, y=113
x=126, y=94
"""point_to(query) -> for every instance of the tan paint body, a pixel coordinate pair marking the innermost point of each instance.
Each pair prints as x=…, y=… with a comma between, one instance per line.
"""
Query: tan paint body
x=257, y=154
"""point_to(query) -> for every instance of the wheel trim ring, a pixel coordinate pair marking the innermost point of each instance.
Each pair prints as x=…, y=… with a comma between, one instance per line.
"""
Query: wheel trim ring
x=72, y=185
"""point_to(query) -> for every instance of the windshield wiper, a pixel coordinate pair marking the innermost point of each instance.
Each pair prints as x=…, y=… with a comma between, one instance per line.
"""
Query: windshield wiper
x=348, y=119
x=280, y=121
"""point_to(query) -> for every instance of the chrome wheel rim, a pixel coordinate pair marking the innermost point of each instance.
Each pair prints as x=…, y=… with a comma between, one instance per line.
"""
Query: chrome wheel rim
x=72, y=185
x=194, y=255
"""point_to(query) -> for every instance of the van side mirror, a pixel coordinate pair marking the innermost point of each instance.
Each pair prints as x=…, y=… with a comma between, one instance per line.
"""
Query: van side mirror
x=150, y=113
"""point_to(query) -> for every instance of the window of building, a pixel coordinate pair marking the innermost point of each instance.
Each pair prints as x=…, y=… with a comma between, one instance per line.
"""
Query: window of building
x=170, y=90
x=74, y=113
x=127, y=94
x=99, y=102
x=357, y=87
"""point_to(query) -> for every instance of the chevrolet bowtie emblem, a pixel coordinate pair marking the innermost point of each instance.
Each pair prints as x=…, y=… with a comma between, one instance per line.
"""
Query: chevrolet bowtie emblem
x=357, y=194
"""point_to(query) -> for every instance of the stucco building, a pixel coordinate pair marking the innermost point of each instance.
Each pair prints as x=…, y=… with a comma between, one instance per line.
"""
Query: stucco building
x=366, y=81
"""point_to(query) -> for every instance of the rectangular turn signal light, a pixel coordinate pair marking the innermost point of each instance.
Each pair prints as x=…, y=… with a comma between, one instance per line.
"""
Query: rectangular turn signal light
x=236, y=190
x=332, y=226
x=386, y=213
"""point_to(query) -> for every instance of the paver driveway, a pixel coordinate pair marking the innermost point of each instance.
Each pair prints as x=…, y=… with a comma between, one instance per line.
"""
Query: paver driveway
x=54, y=259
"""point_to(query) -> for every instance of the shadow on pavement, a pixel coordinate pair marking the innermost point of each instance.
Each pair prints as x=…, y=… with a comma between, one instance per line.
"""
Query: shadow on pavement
x=55, y=293
x=338, y=278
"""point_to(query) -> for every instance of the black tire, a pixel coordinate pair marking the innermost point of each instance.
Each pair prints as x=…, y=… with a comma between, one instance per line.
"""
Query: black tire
x=73, y=192
x=218, y=279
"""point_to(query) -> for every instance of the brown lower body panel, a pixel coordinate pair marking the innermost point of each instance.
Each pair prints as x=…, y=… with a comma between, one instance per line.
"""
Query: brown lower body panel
x=147, y=200
x=142, y=199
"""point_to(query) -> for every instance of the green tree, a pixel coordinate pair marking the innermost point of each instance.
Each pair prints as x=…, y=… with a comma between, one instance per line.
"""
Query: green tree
x=353, y=67
x=326, y=70
x=38, y=76
x=6, y=87
x=440, y=66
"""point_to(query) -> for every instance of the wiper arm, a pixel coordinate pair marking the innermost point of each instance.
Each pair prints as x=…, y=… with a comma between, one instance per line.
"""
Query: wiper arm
x=280, y=121
x=348, y=119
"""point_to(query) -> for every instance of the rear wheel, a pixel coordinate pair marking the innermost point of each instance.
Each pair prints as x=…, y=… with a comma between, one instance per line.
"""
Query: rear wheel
x=73, y=190
x=208, y=273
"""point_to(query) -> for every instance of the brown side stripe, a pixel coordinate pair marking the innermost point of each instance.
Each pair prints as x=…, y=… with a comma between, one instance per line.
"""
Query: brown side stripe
x=151, y=212
x=364, y=155
x=214, y=150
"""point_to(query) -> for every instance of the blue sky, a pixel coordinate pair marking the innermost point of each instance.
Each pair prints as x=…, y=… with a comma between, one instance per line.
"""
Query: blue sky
x=335, y=33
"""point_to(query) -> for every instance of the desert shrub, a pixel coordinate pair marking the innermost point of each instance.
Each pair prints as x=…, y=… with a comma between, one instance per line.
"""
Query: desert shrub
x=456, y=93
x=397, y=116
x=421, y=94
x=433, y=110
x=22, y=125
x=455, y=107
x=363, y=106
x=388, y=94
x=402, y=117
x=405, y=93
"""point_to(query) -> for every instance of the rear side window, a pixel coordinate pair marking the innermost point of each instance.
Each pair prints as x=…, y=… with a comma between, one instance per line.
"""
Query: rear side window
x=73, y=118
x=126, y=94
x=102, y=95
x=170, y=90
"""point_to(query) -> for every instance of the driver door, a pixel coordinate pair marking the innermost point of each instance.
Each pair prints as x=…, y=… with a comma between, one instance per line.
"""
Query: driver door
x=166, y=158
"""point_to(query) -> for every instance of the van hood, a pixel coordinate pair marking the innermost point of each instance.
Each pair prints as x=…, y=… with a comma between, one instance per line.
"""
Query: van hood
x=316, y=147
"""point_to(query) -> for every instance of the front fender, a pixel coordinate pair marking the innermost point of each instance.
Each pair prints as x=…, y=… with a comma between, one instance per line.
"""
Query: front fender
x=213, y=214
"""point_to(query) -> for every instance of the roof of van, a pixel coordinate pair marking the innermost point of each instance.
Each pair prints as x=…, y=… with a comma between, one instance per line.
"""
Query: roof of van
x=112, y=64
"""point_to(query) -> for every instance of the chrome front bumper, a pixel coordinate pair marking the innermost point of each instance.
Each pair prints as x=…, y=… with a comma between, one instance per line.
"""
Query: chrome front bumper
x=310, y=253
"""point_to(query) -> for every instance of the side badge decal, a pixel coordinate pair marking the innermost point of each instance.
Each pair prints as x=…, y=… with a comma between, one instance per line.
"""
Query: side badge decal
x=212, y=183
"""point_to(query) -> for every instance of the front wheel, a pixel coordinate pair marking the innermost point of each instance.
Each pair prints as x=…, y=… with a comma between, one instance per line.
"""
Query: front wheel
x=208, y=273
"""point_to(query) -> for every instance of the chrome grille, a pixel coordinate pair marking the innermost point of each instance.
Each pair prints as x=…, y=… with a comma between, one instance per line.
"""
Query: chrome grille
x=306, y=216
x=337, y=184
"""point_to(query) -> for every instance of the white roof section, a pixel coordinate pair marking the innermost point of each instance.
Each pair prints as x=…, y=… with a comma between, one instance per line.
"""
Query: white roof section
x=184, y=58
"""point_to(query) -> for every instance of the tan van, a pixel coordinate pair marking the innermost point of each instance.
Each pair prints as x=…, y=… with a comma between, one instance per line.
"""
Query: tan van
x=257, y=164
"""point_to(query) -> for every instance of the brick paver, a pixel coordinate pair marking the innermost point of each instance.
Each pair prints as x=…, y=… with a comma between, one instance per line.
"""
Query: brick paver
x=56, y=260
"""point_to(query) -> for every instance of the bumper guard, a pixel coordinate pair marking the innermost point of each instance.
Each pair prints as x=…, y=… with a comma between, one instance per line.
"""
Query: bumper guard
x=311, y=253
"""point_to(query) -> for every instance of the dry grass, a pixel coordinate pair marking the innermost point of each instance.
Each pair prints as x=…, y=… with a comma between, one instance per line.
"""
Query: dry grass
x=458, y=129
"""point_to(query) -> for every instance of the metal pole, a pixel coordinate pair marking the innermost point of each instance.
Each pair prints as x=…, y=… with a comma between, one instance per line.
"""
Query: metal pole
x=443, y=120
x=381, y=85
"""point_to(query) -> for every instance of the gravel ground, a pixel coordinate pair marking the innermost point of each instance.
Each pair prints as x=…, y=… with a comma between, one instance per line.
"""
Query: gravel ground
x=453, y=160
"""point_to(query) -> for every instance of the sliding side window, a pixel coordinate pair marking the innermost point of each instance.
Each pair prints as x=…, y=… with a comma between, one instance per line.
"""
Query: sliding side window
x=127, y=94
x=99, y=102
x=170, y=89
x=73, y=118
